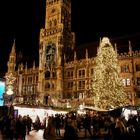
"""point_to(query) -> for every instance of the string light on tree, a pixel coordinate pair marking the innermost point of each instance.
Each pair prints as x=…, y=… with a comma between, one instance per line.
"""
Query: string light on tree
x=108, y=90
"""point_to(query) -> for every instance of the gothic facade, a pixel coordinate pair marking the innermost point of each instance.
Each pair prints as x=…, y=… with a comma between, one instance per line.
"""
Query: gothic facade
x=63, y=71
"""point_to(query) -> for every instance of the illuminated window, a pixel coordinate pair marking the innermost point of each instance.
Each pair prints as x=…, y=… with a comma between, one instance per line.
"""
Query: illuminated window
x=31, y=89
x=81, y=73
x=70, y=85
x=81, y=84
x=24, y=90
x=90, y=84
x=129, y=95
x=128, y=82
x=125, y=68
x=91, y=72
x=124, y=82
x=70, y=74
x=29, y=80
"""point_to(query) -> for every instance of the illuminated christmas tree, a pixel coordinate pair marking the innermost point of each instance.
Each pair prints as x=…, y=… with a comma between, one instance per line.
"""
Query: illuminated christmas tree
x=108, y=90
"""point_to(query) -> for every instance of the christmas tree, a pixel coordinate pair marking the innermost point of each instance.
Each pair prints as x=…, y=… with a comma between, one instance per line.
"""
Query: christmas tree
x=108, y=90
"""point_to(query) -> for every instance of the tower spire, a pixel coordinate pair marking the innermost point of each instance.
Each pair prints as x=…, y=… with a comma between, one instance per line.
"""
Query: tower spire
x=12, y=59
x=75, y=56
x=130, y=48
x=116, y=47
x=34, y=65
x=26, y=67
x=86, y=54
x=13, y=48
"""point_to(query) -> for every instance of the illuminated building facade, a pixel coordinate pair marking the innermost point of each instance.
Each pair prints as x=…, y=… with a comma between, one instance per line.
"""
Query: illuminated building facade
x=64, y=71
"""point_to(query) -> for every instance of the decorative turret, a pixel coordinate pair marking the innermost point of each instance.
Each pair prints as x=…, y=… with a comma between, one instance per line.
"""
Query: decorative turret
x=115, y=47
x=12, y=60
x=100, y=39
x=86, y=54
x=34, y=65
x=20, y=68
x=130, y=48
x=75, y=56
x=64, y=58
x=26, y=67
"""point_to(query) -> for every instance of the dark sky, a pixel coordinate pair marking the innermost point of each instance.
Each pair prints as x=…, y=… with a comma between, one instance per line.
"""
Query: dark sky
x=91, y=19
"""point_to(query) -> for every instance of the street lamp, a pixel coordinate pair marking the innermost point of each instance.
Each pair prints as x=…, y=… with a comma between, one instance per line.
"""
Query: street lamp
x=10, y=81
x=9, y=91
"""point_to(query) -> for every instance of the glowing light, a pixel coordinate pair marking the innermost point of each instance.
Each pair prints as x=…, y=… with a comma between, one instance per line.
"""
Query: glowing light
x=9, y=92
x=10, y=80
x=127, y=112
x=33, y=112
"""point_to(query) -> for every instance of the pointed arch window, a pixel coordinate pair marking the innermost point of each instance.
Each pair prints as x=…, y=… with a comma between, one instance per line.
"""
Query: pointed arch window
x=47, y=75
x=47, y=85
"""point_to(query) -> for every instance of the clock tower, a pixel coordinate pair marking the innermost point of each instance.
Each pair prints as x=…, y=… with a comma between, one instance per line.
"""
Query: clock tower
x=56, y=41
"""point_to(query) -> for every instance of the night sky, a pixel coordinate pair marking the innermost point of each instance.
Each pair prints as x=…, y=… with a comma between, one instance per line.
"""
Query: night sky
x=91, y=19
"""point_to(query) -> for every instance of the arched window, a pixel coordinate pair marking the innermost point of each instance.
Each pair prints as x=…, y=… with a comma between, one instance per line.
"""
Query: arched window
x=55, y=22
x=47, y=75
x=50, y=53
x=47, y=85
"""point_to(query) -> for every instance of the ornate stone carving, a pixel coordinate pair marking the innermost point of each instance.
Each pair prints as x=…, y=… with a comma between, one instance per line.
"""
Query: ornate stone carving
x=42, y=33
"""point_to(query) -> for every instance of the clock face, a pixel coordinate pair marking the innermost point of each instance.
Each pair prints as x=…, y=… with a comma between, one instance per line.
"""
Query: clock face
x=52, y=12
x=50, y=53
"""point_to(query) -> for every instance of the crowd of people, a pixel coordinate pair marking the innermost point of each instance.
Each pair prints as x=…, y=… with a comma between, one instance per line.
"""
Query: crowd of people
x=95, y=125
x=92, y=125
x=15, y=128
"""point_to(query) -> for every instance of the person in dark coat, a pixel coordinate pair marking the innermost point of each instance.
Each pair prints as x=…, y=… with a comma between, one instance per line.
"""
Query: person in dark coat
x=87, y=125
x=28, y=123
x=57, y=124
x=70, y=132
